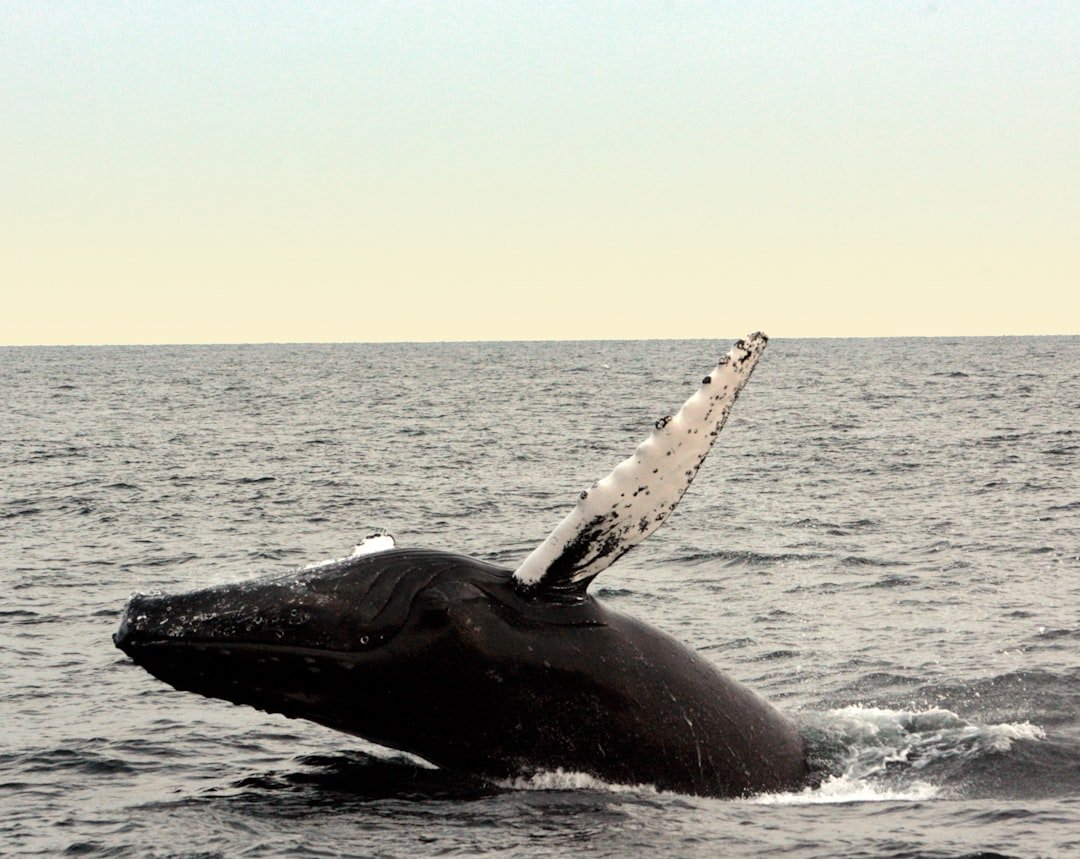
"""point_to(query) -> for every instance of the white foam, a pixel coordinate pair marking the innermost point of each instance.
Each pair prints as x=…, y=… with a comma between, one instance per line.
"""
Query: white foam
x=560, y=779
x=1002, y=736
x=876, y=726
x=884, y=748
x=845, y=788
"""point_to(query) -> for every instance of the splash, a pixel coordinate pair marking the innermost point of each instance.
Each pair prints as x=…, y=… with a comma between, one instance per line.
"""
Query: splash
x=560, y=779
x=870, y=754
x=874, y=754
x=844, y=788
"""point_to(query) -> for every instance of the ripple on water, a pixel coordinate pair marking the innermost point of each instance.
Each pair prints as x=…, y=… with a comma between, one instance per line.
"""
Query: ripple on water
x=913, y=560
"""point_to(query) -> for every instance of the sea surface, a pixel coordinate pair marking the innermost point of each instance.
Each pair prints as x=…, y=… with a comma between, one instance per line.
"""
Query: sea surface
x=885, y=542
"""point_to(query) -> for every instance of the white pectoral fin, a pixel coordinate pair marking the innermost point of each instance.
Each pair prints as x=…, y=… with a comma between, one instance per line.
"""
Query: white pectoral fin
x=634, y=500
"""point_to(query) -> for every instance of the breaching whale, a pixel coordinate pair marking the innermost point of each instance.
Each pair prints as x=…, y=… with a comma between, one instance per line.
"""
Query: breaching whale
x=490, y=671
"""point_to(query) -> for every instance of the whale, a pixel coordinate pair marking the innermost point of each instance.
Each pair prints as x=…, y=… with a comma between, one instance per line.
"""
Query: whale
x=491, y=671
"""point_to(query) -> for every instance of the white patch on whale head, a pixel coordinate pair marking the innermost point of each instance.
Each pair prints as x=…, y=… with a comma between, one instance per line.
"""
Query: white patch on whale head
x=380, y=541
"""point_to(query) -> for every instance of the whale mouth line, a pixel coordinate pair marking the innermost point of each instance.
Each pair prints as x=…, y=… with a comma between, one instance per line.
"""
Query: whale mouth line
x=225, y=648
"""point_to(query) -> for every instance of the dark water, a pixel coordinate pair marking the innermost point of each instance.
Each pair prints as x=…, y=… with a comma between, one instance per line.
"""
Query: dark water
x=885, y=543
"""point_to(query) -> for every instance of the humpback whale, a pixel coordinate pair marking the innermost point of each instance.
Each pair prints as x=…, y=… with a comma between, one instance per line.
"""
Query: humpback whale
x=487, y=670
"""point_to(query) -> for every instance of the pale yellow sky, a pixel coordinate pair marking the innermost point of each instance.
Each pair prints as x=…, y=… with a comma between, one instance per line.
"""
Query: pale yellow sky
x=523, y=171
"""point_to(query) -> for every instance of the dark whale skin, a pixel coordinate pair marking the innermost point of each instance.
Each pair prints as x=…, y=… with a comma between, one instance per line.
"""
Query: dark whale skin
x=441, y=655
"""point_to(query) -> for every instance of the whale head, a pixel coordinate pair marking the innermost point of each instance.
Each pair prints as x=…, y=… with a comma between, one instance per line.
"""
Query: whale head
x=386, y=646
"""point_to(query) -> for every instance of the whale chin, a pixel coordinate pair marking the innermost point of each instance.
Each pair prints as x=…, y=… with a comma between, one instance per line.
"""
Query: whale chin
x=272, y=678
x=317, y=644
x=347, y=644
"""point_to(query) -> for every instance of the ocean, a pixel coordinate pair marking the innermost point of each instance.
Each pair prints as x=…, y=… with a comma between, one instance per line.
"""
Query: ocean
x=884, y=542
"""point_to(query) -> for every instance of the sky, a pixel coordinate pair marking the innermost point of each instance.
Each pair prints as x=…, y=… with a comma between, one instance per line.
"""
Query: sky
x=205, y=172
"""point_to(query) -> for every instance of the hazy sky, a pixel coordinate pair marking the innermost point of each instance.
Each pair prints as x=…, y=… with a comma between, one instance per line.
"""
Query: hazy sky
x=236, y=172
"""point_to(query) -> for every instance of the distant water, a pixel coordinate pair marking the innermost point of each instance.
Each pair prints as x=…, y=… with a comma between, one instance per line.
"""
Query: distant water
x=885, y=543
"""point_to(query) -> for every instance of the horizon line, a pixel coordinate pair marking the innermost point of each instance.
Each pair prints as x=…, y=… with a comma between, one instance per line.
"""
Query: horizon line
x=514, y=340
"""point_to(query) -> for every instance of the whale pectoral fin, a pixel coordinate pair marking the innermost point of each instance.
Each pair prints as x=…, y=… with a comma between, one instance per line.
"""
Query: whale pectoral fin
x=634, y=500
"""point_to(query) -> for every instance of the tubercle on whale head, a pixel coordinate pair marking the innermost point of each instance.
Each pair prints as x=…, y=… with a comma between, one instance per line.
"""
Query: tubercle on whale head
x=348, y=606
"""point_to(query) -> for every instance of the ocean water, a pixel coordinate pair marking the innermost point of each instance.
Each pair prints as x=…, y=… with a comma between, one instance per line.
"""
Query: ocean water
x=885, y=543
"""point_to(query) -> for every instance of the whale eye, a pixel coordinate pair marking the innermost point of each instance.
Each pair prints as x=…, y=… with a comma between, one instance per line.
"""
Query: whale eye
x=432, y=607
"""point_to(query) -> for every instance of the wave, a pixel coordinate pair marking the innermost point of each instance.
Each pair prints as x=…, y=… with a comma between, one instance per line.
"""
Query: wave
x=861, y=561
x=745, y=558
x=80, y=759
x=860, y=753
x=25, y=511
x=1050, y=697
x=835, y=529
x=894, y=581
x=846, y=789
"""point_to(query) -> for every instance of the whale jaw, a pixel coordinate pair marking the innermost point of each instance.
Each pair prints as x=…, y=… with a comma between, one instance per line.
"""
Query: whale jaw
x=322, y=644
x=294, y=681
